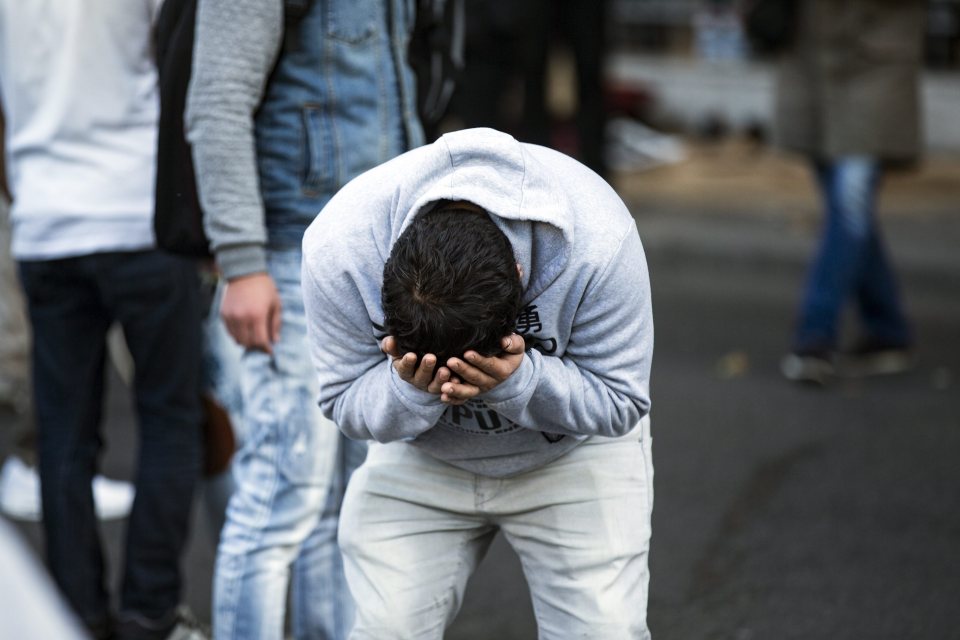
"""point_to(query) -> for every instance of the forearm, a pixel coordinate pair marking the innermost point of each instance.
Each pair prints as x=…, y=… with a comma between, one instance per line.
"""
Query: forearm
x=379, y=406
x=555, y=395
x=598, y=383
x=359, y=389
x=235, y=46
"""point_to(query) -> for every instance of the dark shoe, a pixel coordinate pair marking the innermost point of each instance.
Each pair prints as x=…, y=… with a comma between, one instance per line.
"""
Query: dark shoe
x=808, y=367
x=101, y=629
x=188, y=627
x=871, y=358
x=179, y=624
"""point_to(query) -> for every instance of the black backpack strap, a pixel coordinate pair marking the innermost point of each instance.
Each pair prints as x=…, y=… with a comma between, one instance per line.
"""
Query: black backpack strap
x=178, y=218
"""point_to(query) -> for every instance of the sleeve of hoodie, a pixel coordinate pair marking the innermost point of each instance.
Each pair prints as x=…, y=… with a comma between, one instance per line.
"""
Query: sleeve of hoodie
x=359, y=388
x=601, y=384
x=235, y=46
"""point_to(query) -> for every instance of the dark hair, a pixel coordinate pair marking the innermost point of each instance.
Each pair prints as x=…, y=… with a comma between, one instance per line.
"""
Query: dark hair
x=450, y=285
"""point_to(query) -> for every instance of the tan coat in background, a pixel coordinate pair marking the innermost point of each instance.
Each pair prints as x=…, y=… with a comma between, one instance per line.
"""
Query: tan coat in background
x=850, y=83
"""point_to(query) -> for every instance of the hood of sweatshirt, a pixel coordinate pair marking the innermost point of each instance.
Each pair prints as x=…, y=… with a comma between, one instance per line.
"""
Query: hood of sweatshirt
x=493, y=171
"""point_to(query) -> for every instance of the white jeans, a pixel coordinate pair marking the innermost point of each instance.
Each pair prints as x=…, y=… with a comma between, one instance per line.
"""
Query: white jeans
x=412, y=530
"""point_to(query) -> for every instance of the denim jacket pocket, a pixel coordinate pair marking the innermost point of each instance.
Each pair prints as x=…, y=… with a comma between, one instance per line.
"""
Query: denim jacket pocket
x=319, y=159
x=352, y=21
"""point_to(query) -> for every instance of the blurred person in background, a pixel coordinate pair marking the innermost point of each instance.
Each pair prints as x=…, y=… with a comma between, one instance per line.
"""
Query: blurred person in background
x=19, y=481
x=79, y=93
x=19, y=487
x=288, y=101
x=848, y=98
x=509, y=47
x=579, y=25
x=492, y=63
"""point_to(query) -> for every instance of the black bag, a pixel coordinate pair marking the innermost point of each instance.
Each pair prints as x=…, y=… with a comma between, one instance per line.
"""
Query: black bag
x=178, y=218
x=770, y=25
x=436, y=53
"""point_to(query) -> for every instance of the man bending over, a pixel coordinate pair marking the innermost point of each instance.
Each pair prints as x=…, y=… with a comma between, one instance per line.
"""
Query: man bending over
x=480, y=310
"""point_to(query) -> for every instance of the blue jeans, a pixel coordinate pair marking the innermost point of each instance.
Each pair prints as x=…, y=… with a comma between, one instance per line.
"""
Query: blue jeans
x=851, y=262
x=221, y=382
x=291, y=473
x=72, y=302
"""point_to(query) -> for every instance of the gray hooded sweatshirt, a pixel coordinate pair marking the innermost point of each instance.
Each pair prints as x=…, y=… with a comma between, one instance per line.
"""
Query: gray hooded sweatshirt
x=586, y=311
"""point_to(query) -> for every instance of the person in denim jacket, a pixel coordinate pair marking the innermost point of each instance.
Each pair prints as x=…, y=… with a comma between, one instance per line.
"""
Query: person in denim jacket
x=289, y=100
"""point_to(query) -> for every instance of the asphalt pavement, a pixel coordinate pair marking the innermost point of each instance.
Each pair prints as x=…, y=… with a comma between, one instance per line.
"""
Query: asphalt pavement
x=781, y=511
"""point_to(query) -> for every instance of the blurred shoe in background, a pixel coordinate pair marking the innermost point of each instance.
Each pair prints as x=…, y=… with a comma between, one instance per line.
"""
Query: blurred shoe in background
x=808, y=367
x=873, y=357
x=179, y=624
x=633, y=146
x=20, y=493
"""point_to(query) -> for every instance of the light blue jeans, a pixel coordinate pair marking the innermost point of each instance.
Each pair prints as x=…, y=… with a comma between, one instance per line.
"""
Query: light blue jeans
x=222, y=358
x=291, y=472
x=413, y=529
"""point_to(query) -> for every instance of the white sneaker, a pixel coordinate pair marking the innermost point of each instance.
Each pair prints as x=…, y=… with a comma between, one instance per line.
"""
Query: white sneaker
x=20, y=493
x=20, y=490
x=113, y=499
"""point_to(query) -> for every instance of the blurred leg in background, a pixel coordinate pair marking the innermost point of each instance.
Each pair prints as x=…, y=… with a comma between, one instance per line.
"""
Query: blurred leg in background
x=73, y=303
x=579, y=26
x=851, y=265
x=19, y=483
x=485, y=95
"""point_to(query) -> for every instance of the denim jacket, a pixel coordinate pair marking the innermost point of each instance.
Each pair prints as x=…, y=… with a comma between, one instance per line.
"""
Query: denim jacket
x=340, y=100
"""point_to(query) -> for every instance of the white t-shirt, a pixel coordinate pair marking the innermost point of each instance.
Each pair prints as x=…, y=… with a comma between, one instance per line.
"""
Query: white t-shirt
x=78, y=86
